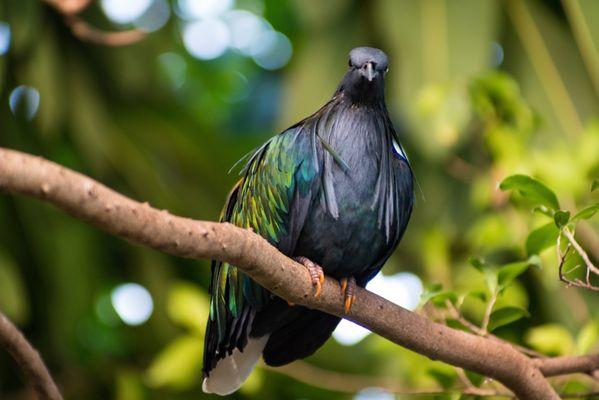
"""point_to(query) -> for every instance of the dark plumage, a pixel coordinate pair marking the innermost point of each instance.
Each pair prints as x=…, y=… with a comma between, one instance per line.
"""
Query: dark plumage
x=336, y=188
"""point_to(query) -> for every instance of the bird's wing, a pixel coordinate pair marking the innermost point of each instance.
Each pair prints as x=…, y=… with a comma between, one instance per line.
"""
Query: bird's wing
x=272, y=198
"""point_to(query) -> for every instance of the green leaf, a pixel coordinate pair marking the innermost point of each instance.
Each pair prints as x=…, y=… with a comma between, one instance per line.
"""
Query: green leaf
x=542, y=210
x=550, y=339
x=511, y=271
x=587, y=337
x=595, y=185
x=477, y=294
x=445, y=377
x=188, y=305
x=440, y=298
x=178, y=365
x=429, y=292
x=586, y=212
x=436, y=295
x=505, y=315
x=561, y=218
x=477, y=263
x=541, y=238
x=129, y=385
x=489, y=272
x=13, y=297
x=531, y=189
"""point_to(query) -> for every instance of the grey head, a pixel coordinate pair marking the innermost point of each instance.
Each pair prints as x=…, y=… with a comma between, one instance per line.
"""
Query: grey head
x=364, y=81
x=369, y=61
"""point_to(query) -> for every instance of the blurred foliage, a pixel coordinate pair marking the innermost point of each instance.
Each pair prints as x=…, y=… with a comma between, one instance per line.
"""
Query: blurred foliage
x=474, y=103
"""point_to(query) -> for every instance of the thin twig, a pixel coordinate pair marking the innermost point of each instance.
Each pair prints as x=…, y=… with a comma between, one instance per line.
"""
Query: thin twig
x=487, y=316
x=562, y=256
x=583, y=254
x=457, y=315
x=464, y=378
x=28, y=360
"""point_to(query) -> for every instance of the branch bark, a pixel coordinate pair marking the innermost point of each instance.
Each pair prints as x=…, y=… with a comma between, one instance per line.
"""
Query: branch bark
x=70, y=10
x=139, y=223
x=28, y=359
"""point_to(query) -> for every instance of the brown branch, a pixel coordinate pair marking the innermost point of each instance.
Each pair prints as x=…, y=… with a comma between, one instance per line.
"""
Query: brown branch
x=87, y=33
x=94, y=203
x=69, y=7
x=29, y=360
x=70, y=10
x=555, y=366
x=352, y=383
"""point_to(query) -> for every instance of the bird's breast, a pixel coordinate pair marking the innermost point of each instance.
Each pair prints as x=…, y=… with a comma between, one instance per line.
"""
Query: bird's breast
x=352, y=240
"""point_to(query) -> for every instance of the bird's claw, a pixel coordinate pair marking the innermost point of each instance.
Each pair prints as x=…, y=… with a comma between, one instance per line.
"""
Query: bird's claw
x=316, y=273
x=348, y=286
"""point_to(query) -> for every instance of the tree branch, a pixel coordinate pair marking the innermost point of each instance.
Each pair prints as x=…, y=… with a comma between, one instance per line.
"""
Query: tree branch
x=94, y=203
x=567, y=364
x=28, y=359
x=70, y=10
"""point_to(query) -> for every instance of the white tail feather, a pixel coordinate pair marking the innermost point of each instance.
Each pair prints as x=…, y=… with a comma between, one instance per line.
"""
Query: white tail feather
x=230, y=372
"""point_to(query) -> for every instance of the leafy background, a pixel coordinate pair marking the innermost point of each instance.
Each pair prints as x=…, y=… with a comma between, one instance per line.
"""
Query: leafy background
x=482, y=89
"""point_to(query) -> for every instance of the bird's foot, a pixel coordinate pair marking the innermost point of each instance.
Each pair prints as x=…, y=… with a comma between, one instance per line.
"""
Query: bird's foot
x=316, y=273
x=348, y=287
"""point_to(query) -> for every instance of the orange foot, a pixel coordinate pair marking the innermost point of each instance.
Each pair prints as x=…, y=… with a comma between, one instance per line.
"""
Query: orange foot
x=348, y=286
x=316, y=273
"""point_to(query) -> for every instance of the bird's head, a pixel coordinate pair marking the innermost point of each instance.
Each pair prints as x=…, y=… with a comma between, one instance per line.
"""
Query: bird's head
x=364, y=81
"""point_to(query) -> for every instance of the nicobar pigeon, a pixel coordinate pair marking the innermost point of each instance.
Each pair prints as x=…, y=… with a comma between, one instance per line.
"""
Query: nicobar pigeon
x=334, y=192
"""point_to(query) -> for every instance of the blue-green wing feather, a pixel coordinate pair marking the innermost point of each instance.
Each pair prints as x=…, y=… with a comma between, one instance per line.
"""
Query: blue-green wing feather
x=271, y=198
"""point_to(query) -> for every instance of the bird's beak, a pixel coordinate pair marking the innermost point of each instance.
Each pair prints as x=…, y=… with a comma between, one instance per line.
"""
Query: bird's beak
x=370, y=72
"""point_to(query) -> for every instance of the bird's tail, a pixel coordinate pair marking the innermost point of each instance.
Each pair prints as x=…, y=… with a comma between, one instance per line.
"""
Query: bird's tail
x=299, y=337
x=231, y=371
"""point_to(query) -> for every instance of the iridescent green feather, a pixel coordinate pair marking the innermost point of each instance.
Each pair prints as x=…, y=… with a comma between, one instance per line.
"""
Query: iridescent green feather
x=262, y=199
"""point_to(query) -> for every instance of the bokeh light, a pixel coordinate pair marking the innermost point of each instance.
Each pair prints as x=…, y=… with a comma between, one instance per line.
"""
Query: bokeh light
x=197, y=9
x=497, y=57
x=206, y=39
x=105, y=311
x=214, y=27
x=133, y=303
x=246, y=29
x=155, y=16
x=403, y=289
x=272, y=50
x=24, y=100
x=238, y=88
x=4, y=38
x=125, y=12
x=174, y=67
x=374, y=394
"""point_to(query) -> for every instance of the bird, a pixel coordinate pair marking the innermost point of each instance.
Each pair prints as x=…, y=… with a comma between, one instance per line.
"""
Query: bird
x=335, y=193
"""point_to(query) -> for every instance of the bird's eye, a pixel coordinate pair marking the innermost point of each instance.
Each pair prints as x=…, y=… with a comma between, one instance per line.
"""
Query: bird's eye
x=386, y=69
x=349, y=63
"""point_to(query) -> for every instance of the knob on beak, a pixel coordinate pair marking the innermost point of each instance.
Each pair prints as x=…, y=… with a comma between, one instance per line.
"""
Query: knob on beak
x=370, y=72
